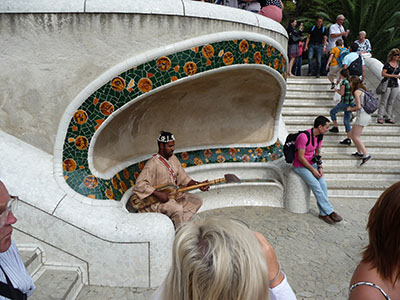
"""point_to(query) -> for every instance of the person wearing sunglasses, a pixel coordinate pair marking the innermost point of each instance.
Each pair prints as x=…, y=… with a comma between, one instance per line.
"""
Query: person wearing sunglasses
x=15, y=282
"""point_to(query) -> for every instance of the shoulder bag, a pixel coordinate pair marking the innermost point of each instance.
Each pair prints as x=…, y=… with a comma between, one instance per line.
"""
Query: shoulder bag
x=382, y=87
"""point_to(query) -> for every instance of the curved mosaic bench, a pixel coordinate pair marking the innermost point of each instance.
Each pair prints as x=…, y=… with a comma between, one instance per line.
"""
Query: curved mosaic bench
x=117, y=89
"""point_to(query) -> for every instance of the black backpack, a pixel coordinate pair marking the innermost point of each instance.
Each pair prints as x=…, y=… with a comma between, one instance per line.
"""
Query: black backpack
x=289, y=148
x=355, y=67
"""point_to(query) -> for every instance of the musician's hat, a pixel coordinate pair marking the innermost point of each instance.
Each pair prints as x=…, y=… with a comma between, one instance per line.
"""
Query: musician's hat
x=165, y=137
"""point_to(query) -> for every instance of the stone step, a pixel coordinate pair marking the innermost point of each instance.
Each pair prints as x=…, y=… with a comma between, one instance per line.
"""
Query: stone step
x=32, y=258
x=359, y=184
x=322, y=87
x=348, y=162
x=311, y=96
x=371, y=129
x=307, y=80
x=365, y=170
x=366, y=137
x=362, y=176
x=394, y=144
x=308, y=119
x=312, y=113
x=348, y=150
x=352, y=192
x=295, y=102
x=345, y=198
x=57, y=283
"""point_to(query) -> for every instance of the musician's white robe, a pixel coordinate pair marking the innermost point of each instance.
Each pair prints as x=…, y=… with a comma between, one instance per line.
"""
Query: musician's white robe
x=155, y=173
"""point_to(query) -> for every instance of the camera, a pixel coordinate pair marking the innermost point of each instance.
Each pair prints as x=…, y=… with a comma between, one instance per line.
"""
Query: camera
x=317, y=159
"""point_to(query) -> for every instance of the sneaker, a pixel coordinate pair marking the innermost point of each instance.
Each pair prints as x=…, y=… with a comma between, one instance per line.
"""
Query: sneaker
x=332, y=85
x=365, y=159
x=346, y=141
x=357, y=154
x=334, y=129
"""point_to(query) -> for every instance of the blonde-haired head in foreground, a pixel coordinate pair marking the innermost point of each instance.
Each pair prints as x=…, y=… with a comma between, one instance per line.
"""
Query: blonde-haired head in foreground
x=216, y=258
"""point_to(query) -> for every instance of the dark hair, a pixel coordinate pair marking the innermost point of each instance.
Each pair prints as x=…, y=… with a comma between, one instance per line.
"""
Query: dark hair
x=290, y=23
x=320, y=120
x=356, y=84
x=345, y=73
x=354, y=47
x=262, y=3
x=319, y=17
x=383, y=226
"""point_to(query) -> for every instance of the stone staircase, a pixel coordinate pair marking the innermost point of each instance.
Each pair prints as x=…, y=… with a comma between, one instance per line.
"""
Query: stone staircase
x=308, y=97
x=56, y=282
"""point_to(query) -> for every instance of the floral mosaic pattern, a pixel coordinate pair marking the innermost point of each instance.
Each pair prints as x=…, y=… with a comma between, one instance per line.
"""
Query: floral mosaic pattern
x=141, y=79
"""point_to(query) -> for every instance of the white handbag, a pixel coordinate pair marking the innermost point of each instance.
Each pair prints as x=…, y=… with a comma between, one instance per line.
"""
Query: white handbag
x=336, y=96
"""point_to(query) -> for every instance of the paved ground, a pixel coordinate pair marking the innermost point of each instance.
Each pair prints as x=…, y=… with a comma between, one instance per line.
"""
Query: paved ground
x=318, y=258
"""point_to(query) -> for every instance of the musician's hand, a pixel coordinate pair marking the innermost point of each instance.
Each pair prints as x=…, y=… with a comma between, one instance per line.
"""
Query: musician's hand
x=163, y=196
x=204, y=188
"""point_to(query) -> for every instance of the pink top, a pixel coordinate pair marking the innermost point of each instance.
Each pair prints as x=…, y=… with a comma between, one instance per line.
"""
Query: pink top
x=301, y=142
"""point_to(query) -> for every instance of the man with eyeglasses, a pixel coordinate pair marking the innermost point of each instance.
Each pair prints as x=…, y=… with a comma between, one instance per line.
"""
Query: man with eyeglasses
x=15, y=282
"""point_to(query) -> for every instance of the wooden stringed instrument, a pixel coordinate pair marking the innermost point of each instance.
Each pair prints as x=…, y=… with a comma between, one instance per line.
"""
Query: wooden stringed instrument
x=134, y=204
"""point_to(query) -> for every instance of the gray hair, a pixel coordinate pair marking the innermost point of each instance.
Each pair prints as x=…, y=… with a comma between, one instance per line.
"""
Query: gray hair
x=216, y=258
x=363, y=32
x=339, y=16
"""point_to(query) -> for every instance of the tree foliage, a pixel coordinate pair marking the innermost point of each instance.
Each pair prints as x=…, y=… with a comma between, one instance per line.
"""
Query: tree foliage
x=379, y=18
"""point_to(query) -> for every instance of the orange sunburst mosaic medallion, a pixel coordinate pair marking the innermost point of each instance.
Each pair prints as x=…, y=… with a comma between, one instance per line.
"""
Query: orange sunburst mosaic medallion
x=69, y=165
x=106, y=108
x=90, y=181
x=163, y=63
x=244, y=46
x=80, y=117
x=190, y=68
x=145, y=85
x=228, y=58
x=118, y=84
x=208, y=51
x=257, y=57
x=81, y=142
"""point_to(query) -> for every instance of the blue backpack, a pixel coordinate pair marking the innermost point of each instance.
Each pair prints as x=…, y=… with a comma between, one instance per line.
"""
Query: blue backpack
x=343, y=52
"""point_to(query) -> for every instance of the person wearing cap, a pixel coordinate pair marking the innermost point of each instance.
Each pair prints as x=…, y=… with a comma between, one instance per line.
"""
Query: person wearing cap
x=15, y=282
x=161, y=169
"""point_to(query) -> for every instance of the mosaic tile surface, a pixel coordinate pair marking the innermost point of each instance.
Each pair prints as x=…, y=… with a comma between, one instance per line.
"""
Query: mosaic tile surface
x=141, y=79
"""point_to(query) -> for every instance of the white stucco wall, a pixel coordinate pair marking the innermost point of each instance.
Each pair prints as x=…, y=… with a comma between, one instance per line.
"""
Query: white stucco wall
x=54, y=49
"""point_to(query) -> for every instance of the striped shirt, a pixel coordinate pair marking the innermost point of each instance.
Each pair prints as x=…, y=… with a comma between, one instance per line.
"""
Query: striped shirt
x=12, y=264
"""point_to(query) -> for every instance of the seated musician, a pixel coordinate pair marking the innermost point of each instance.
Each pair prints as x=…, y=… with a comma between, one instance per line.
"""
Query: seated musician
x=165, y=169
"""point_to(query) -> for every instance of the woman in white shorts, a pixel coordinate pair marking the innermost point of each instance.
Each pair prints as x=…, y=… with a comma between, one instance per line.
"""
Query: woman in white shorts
x=362, y=119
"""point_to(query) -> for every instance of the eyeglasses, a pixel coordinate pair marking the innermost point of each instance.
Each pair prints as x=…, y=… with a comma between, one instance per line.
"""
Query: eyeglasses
x=396, y=54
x=11, y=207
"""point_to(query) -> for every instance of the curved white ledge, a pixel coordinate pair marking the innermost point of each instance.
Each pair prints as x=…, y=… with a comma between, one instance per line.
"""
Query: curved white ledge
x=182, y=8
